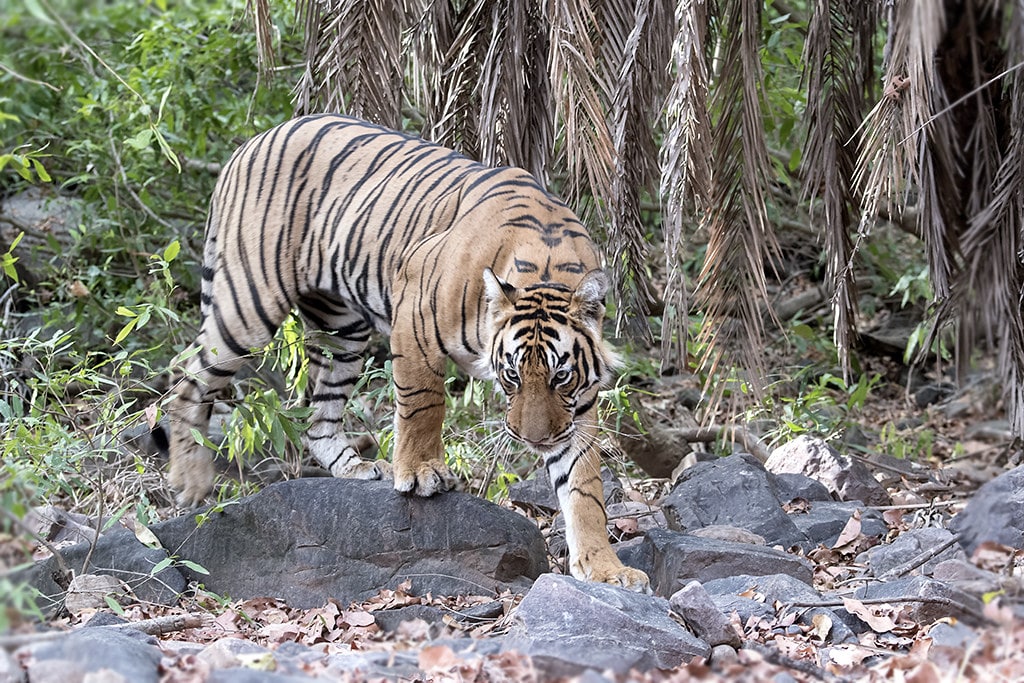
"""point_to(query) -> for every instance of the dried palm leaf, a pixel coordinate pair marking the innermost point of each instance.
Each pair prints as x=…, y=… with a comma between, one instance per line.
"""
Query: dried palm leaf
x=452, y=102
x=586, y=151
x=514, y=126
x=685, y=164
x=260, y=10
x=639, y=78
x=989, y=295
x=732, y=286
x=354, y=61
x=838, y=71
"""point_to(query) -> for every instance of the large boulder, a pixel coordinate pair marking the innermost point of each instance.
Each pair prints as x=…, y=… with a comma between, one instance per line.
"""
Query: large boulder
x=308, y=540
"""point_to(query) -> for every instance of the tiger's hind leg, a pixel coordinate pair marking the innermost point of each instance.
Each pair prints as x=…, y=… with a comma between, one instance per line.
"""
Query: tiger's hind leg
x=336, y=339
x=207, y=366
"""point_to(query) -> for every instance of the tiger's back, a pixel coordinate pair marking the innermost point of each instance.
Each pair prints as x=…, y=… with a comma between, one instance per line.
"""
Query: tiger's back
x=360, y=228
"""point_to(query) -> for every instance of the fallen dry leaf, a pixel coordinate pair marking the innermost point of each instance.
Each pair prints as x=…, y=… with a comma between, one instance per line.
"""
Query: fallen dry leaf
x=881, y=618
x=850, y=532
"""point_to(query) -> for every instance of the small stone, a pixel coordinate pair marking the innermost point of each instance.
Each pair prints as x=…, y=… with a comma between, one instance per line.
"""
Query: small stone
x=693, y=604
x=723, y=654
x=567, y=626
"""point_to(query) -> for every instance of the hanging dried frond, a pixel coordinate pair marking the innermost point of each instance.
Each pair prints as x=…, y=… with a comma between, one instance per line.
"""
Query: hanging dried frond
x=354, y=58
x=732, y=285
x=515, y=127
x=640, y=79
x=838, y=71
x=452, y=102
x=265, y=57
x=685, y=164
x=989, y=294
x=586, y=152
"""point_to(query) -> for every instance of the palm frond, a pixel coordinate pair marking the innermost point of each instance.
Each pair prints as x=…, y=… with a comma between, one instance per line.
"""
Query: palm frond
x=639, y=82
x=354, y=58
x=260, y=11
x=586, y=151
x=515, y=127
x=732, y=286
x=685, y=164
x=838, y=70
x=459, y=39
x=989, y=295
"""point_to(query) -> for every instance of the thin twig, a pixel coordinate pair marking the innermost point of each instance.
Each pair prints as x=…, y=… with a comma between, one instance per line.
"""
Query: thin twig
x=153, y=627
x=26, y=79
x=915, y=562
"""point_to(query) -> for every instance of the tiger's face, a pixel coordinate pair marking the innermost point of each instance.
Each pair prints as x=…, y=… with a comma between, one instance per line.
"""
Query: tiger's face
x=548, y=356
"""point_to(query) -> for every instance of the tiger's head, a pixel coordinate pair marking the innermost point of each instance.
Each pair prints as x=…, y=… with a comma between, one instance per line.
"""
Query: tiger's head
x=547, y=355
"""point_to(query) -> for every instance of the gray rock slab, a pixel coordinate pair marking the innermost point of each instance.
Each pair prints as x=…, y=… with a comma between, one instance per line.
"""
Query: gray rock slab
x=793, y=485
x=941, y=600
x=246, y=675
x=728, y=594
x=102, y=652
x=824, y=521
x=910, y=546
x=120, y=554
x=845, y=477
x=308, y=540
x=994, y=513
x=673, y=559
x=568, y=626
x=735, y=490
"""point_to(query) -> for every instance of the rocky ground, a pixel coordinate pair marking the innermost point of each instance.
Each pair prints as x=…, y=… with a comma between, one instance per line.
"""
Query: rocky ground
x=811, y=565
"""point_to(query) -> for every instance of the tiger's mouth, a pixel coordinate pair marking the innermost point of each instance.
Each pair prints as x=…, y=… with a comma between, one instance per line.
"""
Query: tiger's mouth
x=543, y=446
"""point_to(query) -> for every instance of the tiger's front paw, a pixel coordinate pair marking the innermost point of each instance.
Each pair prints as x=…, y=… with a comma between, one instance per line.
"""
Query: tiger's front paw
x=616, y=574
x=424, y=478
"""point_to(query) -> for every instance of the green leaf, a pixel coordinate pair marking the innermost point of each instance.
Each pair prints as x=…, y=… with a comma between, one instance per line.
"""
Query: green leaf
x=197, y=568
x=126, y=312
x=172, y=251
x=113, y=604
x=140, y=140
x=41, y=171
x=36, y=10
x=161, y=565
x=125, y=331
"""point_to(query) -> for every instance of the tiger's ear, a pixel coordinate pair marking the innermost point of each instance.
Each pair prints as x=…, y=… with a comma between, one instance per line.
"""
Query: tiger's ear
x=497, y=291
x=588, y=299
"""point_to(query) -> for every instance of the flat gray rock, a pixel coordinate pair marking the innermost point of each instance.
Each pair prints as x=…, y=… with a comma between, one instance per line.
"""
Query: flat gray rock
x=941, y=600
x=308, y=540
x=102, y=652
x=824, y=521
x=568, y=626
x=994, y=513
x=673, y=559
x=736, y=491
x=910, y=546
x=845, y=477
x=120, y=554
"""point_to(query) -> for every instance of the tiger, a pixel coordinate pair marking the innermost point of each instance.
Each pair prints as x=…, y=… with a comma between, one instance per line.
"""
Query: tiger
x=357, y=228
